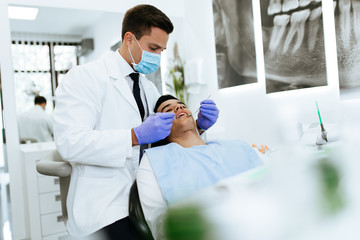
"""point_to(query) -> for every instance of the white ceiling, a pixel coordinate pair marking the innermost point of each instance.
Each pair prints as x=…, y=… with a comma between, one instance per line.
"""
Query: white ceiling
x=57, y=21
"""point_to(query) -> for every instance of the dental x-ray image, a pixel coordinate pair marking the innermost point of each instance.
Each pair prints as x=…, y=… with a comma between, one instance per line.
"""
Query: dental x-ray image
x=235, y=44
x=293, y=44
x=347, y=22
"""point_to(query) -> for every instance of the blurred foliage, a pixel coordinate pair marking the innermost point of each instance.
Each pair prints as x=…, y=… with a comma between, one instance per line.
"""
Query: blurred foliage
x=330, y=179
x=186, y=223
x=177, y=76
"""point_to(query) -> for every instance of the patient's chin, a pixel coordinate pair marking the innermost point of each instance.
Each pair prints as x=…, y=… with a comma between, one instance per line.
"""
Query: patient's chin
x=183, y=125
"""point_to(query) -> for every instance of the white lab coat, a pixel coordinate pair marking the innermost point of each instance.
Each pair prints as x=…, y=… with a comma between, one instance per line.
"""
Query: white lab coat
x=94, y=113
x=36, y=124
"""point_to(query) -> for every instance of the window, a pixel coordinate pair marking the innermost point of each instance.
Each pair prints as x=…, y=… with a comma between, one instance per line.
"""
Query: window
x=39, y=68
x=65, y=59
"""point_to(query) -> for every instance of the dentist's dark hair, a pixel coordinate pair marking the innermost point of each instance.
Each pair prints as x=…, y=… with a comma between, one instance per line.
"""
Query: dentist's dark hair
x=39, y=100
x=139, y=20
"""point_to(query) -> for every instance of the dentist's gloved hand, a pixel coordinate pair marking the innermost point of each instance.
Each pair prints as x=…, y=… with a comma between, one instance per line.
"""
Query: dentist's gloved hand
x=154, y=128
x=208, y=114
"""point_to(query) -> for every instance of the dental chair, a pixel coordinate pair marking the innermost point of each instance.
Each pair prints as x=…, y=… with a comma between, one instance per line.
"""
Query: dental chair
x=136, y=214
x=53, y=165
x=27, y=140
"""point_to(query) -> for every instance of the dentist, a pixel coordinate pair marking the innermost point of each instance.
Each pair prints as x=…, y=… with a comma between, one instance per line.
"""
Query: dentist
x=102, y=121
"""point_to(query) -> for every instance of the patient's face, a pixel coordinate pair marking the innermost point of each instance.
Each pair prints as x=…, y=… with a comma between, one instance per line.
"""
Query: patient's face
x=183, y=118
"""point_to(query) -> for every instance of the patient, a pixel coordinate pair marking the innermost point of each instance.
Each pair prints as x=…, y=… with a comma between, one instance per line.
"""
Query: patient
x=186, y=164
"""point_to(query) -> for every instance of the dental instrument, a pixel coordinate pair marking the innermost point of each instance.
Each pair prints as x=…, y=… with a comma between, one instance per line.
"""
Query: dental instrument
x=323, y=131
x=200, y=106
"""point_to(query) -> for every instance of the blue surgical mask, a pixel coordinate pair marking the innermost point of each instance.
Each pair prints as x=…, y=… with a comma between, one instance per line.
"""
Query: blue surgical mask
x=149, y=63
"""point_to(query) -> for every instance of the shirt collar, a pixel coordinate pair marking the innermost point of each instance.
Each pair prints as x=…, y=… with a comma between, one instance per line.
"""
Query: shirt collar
x=124, y=66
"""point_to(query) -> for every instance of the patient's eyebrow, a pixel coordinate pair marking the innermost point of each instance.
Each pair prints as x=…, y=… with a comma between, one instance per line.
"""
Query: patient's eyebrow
x=167, y=105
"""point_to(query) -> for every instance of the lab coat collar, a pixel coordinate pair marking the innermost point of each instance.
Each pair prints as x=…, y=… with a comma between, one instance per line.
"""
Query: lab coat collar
x=38, y=107
x=124, y=67
x=118, y=69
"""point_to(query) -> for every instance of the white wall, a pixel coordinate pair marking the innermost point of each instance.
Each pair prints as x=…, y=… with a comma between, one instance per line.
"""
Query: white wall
x=167, y=56
x=11, y=131
x=106, y=32
x=171, y=8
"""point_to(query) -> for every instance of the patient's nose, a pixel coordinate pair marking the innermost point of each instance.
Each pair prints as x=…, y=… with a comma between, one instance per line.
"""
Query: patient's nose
x=179, y=107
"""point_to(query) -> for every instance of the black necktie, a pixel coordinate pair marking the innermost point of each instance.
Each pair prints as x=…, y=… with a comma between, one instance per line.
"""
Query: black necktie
x=136, y=92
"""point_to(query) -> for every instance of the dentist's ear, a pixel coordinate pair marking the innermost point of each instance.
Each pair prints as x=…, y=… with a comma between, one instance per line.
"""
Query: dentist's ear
x=128, y=38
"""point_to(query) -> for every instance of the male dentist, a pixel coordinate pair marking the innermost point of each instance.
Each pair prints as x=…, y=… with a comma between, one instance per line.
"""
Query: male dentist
x=103, y=118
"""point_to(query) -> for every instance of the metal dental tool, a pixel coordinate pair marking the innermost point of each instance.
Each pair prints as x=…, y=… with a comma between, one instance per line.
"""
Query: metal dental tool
x=323, y=131
x=199, y=107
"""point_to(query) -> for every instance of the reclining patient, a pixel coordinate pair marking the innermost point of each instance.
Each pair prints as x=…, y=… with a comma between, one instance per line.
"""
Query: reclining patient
x=186, y=164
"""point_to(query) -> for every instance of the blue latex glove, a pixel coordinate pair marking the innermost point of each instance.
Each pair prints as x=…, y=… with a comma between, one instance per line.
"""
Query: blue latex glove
x=154, y=128
x=208, y=114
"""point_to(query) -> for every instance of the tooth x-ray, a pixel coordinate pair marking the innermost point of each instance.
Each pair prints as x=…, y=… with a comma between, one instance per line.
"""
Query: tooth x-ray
x=235, y=45
x=347, y=21
x=293, y=41
x=293, y=44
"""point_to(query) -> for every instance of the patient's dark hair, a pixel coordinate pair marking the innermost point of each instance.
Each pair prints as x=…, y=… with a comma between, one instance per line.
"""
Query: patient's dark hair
x=162, y=99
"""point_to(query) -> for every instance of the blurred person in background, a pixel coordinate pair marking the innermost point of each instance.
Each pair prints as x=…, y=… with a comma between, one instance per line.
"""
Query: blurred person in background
x=36, y=125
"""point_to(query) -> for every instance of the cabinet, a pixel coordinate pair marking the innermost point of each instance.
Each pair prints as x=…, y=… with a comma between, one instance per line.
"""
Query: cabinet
x=43, y=195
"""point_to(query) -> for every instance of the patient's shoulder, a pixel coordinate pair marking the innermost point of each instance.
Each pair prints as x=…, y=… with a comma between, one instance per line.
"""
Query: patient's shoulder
x=166, y=147
x=235, y=149
x=233, y=143
x=162, y=151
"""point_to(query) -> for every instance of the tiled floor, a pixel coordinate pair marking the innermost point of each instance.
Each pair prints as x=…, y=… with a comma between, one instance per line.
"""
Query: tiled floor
x=5, y=209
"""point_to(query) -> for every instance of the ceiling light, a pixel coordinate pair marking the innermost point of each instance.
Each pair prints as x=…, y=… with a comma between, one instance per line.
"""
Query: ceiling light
x=23, y=13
